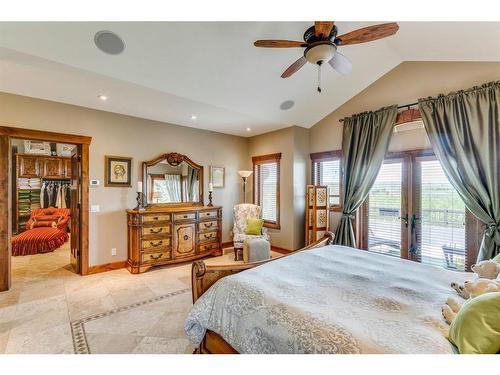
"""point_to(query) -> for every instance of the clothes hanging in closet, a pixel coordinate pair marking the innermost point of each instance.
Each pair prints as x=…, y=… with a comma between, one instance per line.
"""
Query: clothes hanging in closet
x=55, y=194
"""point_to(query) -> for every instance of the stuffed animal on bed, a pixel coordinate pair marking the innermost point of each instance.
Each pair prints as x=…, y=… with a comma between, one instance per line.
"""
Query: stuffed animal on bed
x=473, y=289
x=486, y=269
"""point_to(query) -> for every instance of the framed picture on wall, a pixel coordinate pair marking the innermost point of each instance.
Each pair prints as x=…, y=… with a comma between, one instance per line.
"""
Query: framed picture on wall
x=217, y=176
x=117, y=171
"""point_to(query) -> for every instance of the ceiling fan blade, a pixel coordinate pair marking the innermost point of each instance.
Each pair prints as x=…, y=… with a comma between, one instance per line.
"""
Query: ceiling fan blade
x=367, y=34
x=341, y=63
x=294, y=67
x=323, y=28
x=279, y=44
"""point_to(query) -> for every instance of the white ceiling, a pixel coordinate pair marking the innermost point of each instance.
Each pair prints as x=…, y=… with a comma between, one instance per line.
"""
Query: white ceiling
x=172, y=70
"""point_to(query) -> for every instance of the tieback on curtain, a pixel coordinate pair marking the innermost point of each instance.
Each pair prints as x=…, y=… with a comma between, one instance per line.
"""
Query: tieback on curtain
x=493, y=232
x=348, y=216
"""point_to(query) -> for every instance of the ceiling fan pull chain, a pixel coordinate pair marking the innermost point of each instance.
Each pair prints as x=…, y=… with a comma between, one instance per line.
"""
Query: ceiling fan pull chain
x=319, y=78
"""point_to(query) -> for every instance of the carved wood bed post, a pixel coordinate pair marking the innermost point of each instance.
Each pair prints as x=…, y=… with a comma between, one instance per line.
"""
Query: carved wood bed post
x=203, y=276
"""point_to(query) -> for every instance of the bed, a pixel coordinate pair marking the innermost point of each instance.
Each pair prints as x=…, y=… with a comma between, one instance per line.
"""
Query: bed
x=322, y=299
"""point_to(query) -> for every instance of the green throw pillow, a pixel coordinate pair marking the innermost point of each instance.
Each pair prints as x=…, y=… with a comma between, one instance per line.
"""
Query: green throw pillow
x=497, y=258
x=476, y=328
x=254, y=226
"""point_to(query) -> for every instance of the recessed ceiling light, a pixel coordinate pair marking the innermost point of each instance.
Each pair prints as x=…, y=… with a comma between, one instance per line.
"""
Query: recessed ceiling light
x=248, y=129
x=108, y=42
x=102, y=97
x=287, y=104
x=194, y=117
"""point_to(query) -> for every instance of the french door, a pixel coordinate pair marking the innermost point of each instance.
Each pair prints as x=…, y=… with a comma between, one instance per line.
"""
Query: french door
x=413, y=212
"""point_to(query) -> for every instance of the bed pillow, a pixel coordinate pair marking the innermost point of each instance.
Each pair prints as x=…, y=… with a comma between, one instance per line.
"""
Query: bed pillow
x=50, y=211
x=39, y=224
x=56, y=218
x=497, y=258
x=254, y=227
x=476, y=328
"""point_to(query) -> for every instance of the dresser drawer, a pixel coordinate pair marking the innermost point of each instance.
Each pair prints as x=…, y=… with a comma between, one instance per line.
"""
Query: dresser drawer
x=207, y=225
x=208, y=246
x=156, y=257
x=155, y=244
x=155, y=230
x=150, y=218
x=207, y=236
x=208, y=215
x=186, y=216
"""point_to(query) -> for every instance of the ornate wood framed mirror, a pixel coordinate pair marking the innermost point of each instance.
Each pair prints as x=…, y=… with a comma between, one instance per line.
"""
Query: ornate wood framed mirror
x=172, y=180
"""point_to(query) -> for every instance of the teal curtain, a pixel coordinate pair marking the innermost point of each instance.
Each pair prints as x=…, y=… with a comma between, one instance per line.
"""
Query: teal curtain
x=464, y=130
x=365, y=140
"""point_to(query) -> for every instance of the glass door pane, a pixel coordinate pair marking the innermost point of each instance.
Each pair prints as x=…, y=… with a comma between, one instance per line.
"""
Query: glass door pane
x=439, y=218
x=384, y=210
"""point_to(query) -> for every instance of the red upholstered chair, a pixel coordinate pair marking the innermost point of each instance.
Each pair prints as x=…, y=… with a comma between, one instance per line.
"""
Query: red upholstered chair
x=64, y=212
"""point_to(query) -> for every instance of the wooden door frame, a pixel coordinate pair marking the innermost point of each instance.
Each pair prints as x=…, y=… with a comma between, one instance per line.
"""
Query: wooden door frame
x=6, y=175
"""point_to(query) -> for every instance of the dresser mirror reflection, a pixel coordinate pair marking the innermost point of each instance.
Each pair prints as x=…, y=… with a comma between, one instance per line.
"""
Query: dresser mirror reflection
x=172, y=179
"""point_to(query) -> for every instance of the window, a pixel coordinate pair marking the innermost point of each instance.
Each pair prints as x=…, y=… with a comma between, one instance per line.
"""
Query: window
x=266, y=187
x=326, y=170
x=413, y=212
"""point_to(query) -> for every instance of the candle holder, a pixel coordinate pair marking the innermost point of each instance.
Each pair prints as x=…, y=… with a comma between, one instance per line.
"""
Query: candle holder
x=139, y=201
x=209, y=199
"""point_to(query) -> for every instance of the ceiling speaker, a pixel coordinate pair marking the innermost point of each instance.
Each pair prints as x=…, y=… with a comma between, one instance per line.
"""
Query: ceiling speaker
x=109, y=42
x=287, y=104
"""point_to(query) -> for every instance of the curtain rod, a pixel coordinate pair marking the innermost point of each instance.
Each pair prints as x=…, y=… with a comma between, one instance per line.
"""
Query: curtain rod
x=399, y=107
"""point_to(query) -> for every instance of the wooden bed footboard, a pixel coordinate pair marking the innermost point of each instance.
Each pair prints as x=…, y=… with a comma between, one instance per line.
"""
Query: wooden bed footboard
x=203, y=276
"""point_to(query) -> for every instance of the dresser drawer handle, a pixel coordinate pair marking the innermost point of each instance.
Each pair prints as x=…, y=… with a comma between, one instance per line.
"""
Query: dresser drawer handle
x=186, y=237
x=207, y=236
x=156, y=244
x=155, y=257
x=185, y=216
x=159, y=230
x=156, y=218
x=208, y=225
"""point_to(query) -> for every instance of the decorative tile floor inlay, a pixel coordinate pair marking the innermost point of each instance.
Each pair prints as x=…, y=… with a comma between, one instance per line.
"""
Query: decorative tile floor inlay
x=51, y=310
x=80, y=342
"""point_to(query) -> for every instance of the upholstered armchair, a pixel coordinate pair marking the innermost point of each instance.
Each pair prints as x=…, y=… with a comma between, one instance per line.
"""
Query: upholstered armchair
x=243, y=212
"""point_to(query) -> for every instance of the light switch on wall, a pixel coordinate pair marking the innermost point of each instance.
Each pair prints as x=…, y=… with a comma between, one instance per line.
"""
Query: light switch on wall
x=95, y=208
x=113, y=251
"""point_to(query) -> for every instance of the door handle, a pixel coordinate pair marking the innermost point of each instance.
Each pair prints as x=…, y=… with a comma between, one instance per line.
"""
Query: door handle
x=414, y=234
x=405, y=219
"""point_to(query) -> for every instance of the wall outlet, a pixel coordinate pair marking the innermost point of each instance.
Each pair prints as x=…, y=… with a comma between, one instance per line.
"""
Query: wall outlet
x=95, y=208
x=113, y=251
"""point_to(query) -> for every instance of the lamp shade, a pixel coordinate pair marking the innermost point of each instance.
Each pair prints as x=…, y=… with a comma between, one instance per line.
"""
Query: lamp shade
x=245, y=174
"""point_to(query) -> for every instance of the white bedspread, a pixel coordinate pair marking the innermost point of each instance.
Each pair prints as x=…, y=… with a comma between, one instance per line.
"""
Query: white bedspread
x=333, y=299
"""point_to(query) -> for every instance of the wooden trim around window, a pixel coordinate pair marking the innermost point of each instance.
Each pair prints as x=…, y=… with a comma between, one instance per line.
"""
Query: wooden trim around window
x=257, y=161
x=326, y=155
x=265, y=158
x=317, y=157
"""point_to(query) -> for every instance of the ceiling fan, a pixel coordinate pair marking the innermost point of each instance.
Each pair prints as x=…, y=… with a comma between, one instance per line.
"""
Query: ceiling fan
x=321, y=42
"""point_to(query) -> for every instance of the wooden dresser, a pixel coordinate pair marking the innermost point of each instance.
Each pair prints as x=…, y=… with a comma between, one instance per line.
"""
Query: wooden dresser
x=166, y=235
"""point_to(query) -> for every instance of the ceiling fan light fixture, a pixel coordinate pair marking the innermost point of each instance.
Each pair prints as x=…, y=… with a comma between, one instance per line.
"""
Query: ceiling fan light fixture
x=320, y=53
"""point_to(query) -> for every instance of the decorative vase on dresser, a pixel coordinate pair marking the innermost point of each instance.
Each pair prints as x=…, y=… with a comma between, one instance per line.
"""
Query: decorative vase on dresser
x=177, y=227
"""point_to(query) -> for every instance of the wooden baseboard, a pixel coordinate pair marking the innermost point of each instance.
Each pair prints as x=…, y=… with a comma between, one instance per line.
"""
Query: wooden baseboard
x=107, y=267
x=225, y=245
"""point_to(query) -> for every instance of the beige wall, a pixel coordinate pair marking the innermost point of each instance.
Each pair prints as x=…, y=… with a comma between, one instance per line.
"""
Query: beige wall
x=404, y=84
x=293, y=143
x=114, y=134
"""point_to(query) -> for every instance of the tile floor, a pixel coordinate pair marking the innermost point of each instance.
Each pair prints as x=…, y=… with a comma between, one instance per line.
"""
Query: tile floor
x=120, y=312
